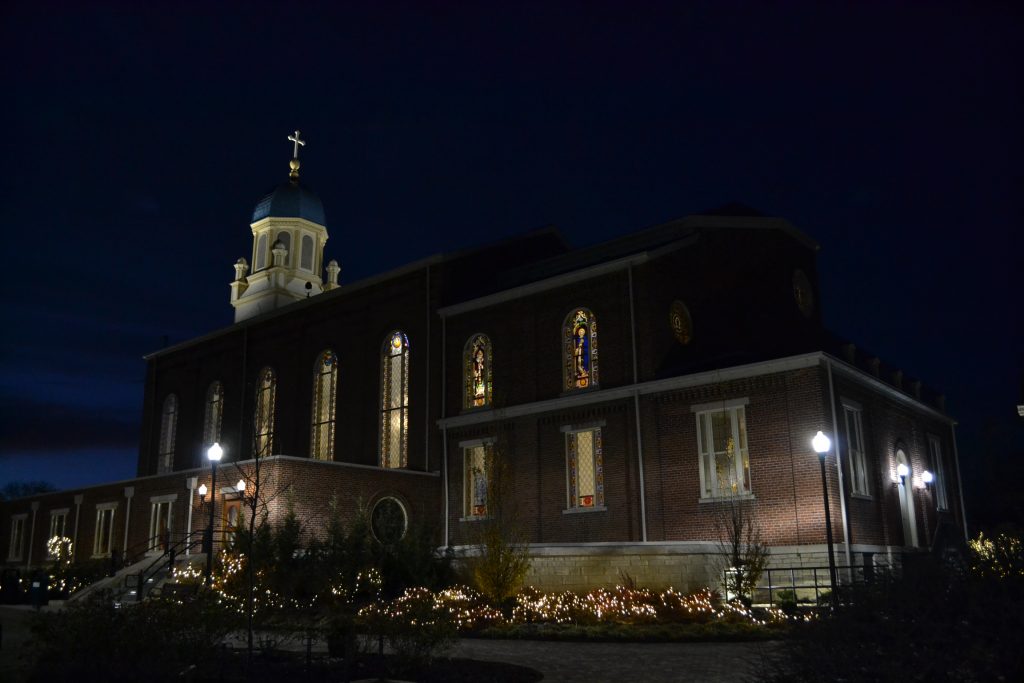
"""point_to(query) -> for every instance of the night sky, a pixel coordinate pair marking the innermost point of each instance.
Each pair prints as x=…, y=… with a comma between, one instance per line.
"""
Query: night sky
x=136, y=142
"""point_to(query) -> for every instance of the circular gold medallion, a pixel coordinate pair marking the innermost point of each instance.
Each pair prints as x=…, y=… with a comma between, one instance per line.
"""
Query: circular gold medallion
x=680, y=321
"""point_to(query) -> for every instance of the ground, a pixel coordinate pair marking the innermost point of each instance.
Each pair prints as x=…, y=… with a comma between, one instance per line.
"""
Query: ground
x=558, y=661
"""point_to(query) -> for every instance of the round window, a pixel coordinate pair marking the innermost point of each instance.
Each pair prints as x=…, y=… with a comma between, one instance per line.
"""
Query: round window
x=682, y=324
x=803, y=293
x=388, y=520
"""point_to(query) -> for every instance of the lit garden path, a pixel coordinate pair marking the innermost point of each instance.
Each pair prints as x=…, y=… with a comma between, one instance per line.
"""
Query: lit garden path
x=644, y=662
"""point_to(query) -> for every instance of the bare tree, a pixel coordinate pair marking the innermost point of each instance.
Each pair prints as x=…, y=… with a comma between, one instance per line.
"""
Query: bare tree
x=743, y=550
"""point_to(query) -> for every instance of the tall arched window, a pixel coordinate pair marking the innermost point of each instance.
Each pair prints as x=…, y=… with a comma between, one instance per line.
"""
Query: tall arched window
x=285, y=238
x=263, y=422
x=307, y=253
x=394, y=401
x=168, y=427
x=213, y=415
x=259, y=259
x=579, y=338
x=477, y=363
x=325, y=387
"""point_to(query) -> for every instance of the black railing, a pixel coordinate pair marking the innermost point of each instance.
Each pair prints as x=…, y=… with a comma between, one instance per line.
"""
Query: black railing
x=796, y=585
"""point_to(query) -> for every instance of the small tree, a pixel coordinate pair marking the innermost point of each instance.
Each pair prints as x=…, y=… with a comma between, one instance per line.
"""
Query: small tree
x=503, y=558
x=744, y=552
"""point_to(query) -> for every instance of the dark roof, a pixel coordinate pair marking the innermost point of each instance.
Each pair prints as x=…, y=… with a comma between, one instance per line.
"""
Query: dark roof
x=290, y=200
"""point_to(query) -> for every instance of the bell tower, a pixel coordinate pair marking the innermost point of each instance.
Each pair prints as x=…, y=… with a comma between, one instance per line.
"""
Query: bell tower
x=288, y=237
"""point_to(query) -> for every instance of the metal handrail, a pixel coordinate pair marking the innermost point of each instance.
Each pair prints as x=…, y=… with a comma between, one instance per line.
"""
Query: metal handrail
x=166, y=558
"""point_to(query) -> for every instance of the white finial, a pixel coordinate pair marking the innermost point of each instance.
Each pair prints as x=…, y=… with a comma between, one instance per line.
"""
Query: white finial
x=298, y=142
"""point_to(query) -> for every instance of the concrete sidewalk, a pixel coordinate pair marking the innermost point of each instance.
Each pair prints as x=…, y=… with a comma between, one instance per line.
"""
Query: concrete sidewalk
x=647, y=662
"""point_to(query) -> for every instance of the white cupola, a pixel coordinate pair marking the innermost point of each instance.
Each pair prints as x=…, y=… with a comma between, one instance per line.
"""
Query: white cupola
x=288, y=239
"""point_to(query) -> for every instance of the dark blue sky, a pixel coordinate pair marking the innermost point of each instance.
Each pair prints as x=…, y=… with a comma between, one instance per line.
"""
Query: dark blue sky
x=136, y=141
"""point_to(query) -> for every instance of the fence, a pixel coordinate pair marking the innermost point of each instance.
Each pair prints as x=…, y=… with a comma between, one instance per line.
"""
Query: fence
x=809, y=585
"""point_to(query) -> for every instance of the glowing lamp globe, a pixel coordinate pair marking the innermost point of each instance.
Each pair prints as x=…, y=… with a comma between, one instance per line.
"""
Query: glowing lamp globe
x=821, y=443
x=215, y=452
x=202, y=489
x=927, y=477
x=902, y=470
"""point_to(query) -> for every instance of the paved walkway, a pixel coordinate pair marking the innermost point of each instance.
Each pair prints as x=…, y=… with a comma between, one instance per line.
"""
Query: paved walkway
x=646, y=662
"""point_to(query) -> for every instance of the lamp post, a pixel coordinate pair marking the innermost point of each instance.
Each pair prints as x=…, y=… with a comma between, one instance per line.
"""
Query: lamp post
x=214, y=453
x=822, y=444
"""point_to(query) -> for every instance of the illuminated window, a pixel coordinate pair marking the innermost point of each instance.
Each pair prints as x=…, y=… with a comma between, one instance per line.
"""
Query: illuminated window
x=17, y=544
x=260, y=257
x=168, y=427
x=584, y=468
x=266, y=394
x=722, y=443
x=307, y=253
x=854, y=418
x=580, y=350
x=103, y=539
x=58, y=527
x=938, y=471
x=476, y=461
x=325, y=386
x=213, y=416
x=394, y=401
x=477, y=361
x=160, y=522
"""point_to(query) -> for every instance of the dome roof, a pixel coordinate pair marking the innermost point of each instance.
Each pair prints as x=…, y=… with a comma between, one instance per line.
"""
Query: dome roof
x=290, y=200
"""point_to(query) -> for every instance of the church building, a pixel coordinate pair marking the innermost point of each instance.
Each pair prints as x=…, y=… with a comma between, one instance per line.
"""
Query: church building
x=633, y=392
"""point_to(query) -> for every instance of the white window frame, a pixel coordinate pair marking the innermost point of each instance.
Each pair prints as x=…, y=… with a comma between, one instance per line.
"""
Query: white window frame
x=97, y=550
x=62, y=515
x=467, y=503
x=571, y=432
x=706, y=460
x=17, y=545
x=935, y=457
x=155, y=503
x=853, y=421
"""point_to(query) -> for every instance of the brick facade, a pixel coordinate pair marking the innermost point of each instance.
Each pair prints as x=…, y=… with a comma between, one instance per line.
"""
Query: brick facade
x=751, y=345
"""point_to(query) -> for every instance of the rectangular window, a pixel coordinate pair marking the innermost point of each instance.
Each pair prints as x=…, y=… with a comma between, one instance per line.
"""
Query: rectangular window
x=584, y=469
x=476, y=480
x=938, y=471
x=58, y=528
x=858, y=468
x=17, y=545
x=722, y=443
x=103, y=541
x=159, y=524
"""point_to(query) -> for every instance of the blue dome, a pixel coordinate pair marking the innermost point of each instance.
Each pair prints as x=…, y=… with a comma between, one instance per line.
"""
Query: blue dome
x=290, y=200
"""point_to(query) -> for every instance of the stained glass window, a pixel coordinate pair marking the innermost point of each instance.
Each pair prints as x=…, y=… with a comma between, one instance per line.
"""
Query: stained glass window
x=263, y=422
x=478, y=372
x=476, y=460
x=580, y=339
x=325, y=387
x=585, y=462
x=168, y=427
x=725, y=462
x=394, y=401
x=214, y=414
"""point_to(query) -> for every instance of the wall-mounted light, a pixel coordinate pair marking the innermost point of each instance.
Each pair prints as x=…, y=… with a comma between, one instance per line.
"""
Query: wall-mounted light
x=927, y=477
x=240, y=486
x=202, y=492
x=902, y=471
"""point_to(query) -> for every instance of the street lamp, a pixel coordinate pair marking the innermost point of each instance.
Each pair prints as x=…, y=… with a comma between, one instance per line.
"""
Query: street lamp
x=214, y=453
x=822, y=444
